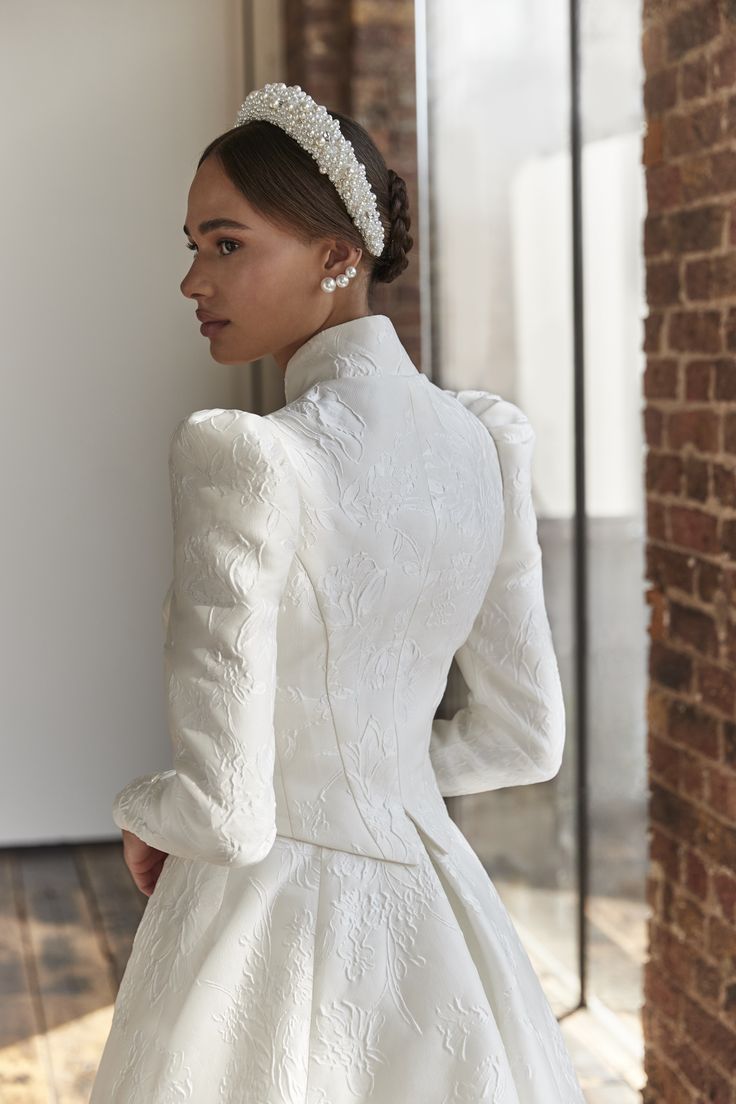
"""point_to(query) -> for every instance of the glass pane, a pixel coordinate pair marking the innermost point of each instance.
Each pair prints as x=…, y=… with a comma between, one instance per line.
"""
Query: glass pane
x=499, y=172
x=614, y=206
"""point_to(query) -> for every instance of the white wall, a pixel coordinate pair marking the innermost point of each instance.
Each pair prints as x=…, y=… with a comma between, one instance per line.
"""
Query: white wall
x=107, y=109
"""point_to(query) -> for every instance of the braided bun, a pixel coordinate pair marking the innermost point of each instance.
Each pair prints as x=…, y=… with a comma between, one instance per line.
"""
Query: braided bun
x=393, y=260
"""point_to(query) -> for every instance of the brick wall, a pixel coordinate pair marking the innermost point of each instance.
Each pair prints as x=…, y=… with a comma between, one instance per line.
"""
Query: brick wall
x=689, y=152
x=357, y=56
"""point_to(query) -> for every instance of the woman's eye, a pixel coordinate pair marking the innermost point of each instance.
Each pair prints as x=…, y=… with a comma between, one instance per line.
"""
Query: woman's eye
x=222, y=241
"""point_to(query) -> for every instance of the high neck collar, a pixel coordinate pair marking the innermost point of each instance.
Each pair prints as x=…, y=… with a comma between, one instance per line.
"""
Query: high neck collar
x=365, y=346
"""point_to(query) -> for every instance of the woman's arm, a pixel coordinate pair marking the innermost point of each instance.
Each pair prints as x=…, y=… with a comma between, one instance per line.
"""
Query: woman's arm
x=235, y=505
x=512, y=731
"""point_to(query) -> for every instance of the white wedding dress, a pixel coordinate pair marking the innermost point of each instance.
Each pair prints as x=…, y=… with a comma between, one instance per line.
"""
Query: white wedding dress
x=322, y=932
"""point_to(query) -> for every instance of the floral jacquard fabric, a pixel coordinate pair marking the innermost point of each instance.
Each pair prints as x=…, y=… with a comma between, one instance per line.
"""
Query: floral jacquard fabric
x=322, y=932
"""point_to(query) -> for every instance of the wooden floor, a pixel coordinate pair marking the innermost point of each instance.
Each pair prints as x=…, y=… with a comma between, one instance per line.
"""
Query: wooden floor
x=68, y=917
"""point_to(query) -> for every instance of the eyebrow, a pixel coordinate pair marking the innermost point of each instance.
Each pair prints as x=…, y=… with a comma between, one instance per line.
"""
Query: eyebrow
x=214, y=224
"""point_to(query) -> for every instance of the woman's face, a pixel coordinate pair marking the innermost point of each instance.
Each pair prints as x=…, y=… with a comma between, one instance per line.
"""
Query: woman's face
x=261, y=279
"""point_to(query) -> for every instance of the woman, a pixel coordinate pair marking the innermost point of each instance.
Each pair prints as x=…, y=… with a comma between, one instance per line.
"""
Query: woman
x=318, y=930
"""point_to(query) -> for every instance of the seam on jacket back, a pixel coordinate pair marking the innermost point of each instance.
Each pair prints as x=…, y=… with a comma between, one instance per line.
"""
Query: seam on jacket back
x=332, y=712
x=430, y=557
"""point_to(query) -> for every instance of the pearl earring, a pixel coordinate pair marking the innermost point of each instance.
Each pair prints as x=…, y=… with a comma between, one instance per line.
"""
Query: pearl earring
x=331, y=282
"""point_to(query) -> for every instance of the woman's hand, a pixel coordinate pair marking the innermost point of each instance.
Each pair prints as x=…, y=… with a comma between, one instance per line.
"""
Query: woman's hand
x=143, y=861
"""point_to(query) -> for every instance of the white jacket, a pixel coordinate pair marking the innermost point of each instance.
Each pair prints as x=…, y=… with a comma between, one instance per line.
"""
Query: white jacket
x=330, y=559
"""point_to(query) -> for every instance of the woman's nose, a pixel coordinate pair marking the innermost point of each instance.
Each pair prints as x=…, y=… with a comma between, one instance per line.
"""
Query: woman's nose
x=193, y=285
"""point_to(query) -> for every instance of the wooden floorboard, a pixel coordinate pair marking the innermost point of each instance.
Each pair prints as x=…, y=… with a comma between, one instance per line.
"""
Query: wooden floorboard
x=114, y=901
x=24, y=1072
x=70, y=981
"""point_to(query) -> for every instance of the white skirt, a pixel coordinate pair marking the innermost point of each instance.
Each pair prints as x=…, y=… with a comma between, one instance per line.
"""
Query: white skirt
x=318, y=976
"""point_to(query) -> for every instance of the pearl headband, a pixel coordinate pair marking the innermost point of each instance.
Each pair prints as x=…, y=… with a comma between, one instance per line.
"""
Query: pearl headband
x=312, y=126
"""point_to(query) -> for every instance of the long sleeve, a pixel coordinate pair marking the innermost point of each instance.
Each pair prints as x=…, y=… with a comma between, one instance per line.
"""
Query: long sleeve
x=235, y=510
x=512, y=731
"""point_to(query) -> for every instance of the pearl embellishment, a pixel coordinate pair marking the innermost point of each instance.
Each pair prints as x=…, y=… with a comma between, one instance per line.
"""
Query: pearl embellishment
x=312, y=126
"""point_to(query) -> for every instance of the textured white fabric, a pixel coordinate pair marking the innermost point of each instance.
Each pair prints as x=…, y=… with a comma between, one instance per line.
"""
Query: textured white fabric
x=322, y=932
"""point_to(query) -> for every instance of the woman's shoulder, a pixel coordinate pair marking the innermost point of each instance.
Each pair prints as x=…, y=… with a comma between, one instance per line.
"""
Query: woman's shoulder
x=502, y=418
x=221, y=444
x=225, y=431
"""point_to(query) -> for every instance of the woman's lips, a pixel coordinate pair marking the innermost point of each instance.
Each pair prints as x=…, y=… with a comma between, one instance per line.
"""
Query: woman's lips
x=211, y=328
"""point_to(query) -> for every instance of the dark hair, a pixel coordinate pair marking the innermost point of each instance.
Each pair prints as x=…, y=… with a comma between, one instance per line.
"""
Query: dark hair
x=283, y=182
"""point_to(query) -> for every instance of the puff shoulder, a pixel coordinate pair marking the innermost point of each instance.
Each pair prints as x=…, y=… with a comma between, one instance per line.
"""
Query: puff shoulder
x=503, y=419
x=221, y=443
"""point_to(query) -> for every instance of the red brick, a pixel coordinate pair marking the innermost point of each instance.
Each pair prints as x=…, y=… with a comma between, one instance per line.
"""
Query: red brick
x=698, y=378
x=693, y=131
x=697, y=479
x=670, y=568
x=664, y=853
x=694, y=529
x=724, y=485
x=652, y=143
x=652, y=331
x=652, y=49
x=728, y=537
x=698, y=428
x=725, y=379
x=689, y=919
x=669, y=667
x=694, y=78
x=695, y=229
x=656, y=514
x=707, y=979
x=695, y=331
x=664, y=761
x=729, y=433
x=695, y=25
x=696, y=875
x=729, y=744
x=694, y=627
x=730, y=329
x=714, y=578
x=693, y=728
x=659, y=990
x=699, y=177
x=722, y=792
x=656, y=234
x=664, y=1084
x=692, y=780
x=663, y=472
x=720, y=841
x=724, y=889
x=660, y=91
x=664, y=187
x=717, y=687
x=723, y=66
x=711, y=277
x=722, y=942
x=672, y=952
x=663, y=283
x=653, y=426
x=660, y=378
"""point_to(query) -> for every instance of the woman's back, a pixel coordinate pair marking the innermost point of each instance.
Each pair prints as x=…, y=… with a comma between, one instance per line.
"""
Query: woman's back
x=401, y=527
x=321, y=931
